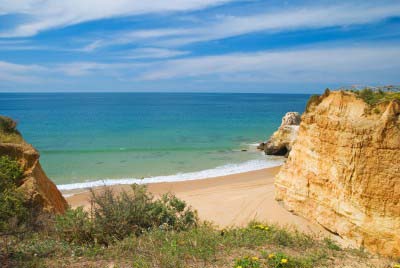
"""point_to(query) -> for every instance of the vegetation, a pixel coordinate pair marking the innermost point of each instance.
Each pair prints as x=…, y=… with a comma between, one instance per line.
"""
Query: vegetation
x=116, y=217
x=316, y=99
x=370, y=95
x=12, y=205
x=136, y=230
x=313, y=100
x=375, y=96
x=8, y=131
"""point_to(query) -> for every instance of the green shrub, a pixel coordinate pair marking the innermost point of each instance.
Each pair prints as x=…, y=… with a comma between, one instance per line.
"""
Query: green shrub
x=114, y=217
x=13, y=211
x=8, y=131
x=313, y=100
x=10, y=172
x=75, y=226
x=7, y=124
x=372, y=96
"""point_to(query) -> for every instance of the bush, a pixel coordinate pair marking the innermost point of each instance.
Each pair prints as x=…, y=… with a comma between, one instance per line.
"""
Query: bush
x=10, y=173
x=7, y=124
x=114, y=217
x=74, y=226
x=8, y=131
x=313, y=100
x=372, y=96
x=13, y=211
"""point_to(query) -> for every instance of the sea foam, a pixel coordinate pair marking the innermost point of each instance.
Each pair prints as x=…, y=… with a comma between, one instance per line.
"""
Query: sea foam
x=224, y=170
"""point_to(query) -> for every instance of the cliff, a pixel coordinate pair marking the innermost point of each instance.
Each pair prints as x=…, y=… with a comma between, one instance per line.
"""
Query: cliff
x=39, y=190
x=344, y=170
x=280, y=143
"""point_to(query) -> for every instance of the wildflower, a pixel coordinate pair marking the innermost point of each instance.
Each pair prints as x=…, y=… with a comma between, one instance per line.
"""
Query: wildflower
x=255, y=258
x=238, y=266
x=284, y=261
x=271, y=255
x=396, y=266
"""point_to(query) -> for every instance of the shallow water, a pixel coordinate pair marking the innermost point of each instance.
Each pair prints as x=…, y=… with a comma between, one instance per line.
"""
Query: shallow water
x=85, y=137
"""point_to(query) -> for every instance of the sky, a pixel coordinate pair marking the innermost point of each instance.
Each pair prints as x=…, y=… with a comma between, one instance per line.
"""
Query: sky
x=197, y=45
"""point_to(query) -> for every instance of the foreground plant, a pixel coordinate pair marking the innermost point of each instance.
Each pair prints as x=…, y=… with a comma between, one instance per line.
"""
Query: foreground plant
x=114, y=217
x=248, y=262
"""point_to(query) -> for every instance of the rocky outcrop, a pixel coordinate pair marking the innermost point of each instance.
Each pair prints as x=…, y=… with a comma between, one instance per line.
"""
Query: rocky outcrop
x=39, y=190
x=282, y=140
x=344, y=170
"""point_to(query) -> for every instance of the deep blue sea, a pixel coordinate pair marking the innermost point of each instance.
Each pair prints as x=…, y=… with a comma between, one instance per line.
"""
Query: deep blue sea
x=95, y=138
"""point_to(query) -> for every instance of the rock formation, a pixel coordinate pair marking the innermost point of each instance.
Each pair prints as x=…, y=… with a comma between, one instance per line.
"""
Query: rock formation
x=344, y=170
x=282, y=140
x=38, y=188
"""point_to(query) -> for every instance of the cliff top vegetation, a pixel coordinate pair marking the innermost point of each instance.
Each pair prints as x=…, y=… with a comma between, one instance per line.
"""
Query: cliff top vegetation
x=375, y=95
x=371, y=95
x=8, y=131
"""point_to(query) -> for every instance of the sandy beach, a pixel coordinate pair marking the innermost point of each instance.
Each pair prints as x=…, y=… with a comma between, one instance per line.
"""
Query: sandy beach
x=232, y=200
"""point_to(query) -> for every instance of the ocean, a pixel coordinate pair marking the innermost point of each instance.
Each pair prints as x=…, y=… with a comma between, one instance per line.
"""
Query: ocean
x=88, y=139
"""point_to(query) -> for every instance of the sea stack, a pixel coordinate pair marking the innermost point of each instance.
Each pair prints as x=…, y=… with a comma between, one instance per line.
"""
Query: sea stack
x=344, y=170
x=281, y=142
x=38, y=189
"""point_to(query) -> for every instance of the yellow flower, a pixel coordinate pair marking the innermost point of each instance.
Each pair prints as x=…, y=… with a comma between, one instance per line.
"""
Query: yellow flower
x=396, y=266
x=254, y=259
x=239, y=266
x=266, y=228
x=271, y=255
x=284, y=261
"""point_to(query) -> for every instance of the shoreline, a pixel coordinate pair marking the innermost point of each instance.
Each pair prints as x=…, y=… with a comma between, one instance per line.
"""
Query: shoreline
x=227, y=201
x=218, y=171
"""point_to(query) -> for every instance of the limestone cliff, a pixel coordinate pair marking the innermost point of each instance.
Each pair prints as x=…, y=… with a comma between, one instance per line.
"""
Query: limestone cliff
x=38, y=188
x=280, y=143
x=344, y=170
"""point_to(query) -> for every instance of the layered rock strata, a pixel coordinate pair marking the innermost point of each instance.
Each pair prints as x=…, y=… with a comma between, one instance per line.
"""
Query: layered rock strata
x=344, y=170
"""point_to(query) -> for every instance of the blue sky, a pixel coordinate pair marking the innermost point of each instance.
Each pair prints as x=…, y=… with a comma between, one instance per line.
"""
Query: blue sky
x=197, y=45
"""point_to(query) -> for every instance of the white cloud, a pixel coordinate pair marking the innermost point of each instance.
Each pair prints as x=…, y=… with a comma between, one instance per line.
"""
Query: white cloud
x=355, y=65
x=152, y=53
x=345, y=64
x=47, y=14
x=20, y=73
x=278, y=21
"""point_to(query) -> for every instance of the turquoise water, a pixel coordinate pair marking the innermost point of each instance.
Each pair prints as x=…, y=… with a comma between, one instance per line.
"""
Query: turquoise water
x=95, y=136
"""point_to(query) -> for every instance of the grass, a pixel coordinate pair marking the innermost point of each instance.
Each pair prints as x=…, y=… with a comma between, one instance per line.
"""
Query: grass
x=139, y=231
x=8, y=131
x=200, y=246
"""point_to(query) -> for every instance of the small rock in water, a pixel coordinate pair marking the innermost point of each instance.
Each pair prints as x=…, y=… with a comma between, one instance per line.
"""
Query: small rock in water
x=261, y=146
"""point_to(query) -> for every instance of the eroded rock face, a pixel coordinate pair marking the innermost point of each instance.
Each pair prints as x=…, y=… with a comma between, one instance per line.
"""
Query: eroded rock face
x=282, y=140
x=344, y=171
x=38, y=188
